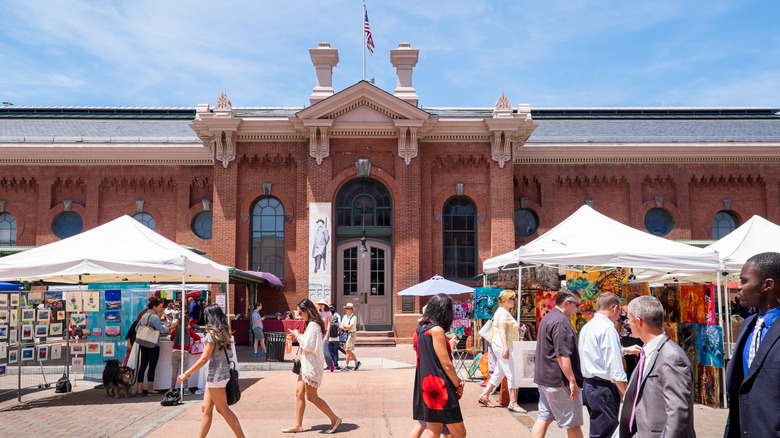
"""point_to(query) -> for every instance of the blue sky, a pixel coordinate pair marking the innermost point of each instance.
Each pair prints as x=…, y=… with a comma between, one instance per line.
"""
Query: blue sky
x=567, y=53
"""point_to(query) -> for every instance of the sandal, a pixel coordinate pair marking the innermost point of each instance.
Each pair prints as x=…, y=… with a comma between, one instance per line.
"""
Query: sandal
x=514, y=407
x=293, y=430
x=487, y=401
x=335, y=426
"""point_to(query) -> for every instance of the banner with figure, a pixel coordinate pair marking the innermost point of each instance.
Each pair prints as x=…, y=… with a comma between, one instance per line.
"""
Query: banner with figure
x=320, y=252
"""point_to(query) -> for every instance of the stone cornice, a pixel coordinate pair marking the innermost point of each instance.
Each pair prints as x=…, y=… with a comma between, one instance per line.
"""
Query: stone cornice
x=55, y=154
x=610, y=153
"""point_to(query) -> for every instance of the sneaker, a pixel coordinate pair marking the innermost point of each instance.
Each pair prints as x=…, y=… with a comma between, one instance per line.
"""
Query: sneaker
x=345, y=369
x=357, y=365
x=257, y=354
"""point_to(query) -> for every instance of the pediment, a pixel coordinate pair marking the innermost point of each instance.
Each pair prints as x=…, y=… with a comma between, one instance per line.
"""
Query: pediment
x=363, y=103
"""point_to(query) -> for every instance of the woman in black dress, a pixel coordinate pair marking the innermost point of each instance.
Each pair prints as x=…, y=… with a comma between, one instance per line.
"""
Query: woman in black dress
x=437, y=387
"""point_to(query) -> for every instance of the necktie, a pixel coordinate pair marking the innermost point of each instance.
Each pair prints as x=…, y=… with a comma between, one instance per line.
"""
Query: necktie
x=756, y=340
x=641, y=370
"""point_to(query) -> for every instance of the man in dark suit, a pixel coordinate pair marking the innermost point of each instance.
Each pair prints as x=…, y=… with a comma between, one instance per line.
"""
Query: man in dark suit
x=753, y=375
x=659, y=397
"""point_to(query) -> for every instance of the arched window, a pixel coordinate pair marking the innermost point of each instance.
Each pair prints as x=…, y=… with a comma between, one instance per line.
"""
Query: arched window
x=364, y=202
x=144, y=218
x=202, y=224
x=526, y=222
x=724, y=222
x=267, y=251
x=66, y=224
x=659, y=221
x=7, y=229
x=459, y=222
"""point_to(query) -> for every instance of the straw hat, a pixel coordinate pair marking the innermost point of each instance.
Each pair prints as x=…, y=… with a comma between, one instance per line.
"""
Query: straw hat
x=323, y=301
x=349, y=306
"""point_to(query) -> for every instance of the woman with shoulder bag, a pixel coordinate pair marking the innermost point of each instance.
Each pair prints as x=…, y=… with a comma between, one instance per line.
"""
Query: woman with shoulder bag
x=506, y=331
x=217, y=343
x=150, y=355
x=312, y=367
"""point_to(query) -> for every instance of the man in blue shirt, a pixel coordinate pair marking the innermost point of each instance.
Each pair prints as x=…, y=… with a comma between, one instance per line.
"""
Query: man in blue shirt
x=194, y=310
x=754, y=371
x=601, y=361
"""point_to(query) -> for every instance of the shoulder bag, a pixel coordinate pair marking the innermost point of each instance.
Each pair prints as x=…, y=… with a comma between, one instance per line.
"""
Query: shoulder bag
x=196, y=346
x=487, y=330
x=146, y=335
x=232, y=390
x=296, y=369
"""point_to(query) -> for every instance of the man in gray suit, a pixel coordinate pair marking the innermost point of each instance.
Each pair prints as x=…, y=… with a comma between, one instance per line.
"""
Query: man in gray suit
x=659, y=397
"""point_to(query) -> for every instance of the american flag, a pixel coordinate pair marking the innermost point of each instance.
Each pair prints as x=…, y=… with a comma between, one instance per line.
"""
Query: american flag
x=369, y=39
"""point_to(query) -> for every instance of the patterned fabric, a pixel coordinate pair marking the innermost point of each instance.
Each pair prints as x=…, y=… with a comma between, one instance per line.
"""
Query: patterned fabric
x=176, y=367
x=219, y=368
x=756, y=340
x=435, y=398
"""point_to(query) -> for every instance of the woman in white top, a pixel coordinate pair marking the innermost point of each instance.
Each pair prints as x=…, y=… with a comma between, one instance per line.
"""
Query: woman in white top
x=312, y=367
x=506, y=330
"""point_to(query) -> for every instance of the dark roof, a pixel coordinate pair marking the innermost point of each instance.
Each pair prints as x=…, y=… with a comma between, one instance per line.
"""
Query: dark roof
x=96, y=130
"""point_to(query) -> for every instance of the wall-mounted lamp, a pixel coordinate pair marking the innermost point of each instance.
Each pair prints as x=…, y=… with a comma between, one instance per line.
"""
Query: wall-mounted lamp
x=363, y=248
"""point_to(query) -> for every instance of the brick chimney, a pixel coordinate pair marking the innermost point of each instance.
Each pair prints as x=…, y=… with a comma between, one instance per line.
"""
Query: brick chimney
x=324, y=59
x=404, y=58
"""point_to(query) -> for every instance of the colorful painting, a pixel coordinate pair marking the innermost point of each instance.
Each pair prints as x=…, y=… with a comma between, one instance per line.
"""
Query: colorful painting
x=93, y=348
x=579, y=320
x=541, y=277
x=13, y=300
x=52, y=299
x=671, y=330
x=73, y=301
x=3, y=300
x=4, y=316
x=78, y=319
x=77, y=348
x=669, y=296
x=688, y=340
x=693, y=308
x=60, y=315
x=97, y=331
x=3, y=332
x=2, y=370
x=527, y=308
x=44, y=315
x=113, y=299
x=43, y=352
x=545, y=301
x=27, y=332
x=709, y=306
x=56, y=352
x=112, y=331
x=55, y=329
x=112, y=316
x=41, y=331
x=91, y=301
x=710, y=345
x=28, y=353
x=12, y=356
x=28, y=315
x=485, y=302
x=709, y=386
x=108, y=349
x=592, y=281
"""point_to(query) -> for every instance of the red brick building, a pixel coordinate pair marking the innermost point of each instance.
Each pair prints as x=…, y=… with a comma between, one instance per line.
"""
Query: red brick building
x=364, y=193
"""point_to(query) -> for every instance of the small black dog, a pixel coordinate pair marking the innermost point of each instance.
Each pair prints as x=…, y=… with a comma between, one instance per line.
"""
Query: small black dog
x=116, y=377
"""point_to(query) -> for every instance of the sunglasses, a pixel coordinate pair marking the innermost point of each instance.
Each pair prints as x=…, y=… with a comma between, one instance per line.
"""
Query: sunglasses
x=576, y=304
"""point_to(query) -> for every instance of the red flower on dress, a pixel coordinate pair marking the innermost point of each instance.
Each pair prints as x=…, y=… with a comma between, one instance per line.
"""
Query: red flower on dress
x=434, y=392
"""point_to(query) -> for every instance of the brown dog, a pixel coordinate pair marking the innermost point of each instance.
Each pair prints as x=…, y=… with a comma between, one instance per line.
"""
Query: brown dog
x=116, y=378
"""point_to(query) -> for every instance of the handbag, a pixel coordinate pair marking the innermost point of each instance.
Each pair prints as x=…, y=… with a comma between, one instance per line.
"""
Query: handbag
x=343, y=336
x=232, y=390
x=172, y=397
x=487, y=330
x=146, y=335
x=296, y=369
x=196, y=346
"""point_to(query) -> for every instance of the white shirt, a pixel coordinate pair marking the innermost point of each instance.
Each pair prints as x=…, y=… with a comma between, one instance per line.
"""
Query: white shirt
x=600, y=352
x=651, y=350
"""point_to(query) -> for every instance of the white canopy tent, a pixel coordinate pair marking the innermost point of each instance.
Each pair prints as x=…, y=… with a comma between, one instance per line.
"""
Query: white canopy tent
x=123, y=250
x=120, y=251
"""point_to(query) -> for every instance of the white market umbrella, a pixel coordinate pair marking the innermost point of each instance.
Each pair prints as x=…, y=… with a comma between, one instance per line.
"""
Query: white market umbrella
x=436, y=285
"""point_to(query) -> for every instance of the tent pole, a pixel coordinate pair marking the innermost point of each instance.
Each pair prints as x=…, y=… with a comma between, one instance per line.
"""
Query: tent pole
x=519, y=289
x=723, y=337
x=183, y=353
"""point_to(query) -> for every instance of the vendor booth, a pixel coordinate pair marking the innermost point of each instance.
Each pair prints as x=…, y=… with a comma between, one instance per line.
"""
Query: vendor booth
x=109, y=258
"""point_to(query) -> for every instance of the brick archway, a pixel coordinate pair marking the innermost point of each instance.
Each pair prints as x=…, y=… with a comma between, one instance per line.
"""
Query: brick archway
x=17, y=214
x=159, y=221
x=735, y=207
x=677, y=231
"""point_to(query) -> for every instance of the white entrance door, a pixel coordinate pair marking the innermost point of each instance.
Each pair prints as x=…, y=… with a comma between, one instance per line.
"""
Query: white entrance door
x=365, y=279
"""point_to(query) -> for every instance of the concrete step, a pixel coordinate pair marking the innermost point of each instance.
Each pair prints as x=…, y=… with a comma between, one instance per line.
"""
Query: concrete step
x=375, y=339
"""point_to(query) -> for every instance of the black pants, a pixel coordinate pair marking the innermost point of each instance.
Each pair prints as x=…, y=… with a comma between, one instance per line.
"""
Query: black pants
x=149, y=356
x=602, y=399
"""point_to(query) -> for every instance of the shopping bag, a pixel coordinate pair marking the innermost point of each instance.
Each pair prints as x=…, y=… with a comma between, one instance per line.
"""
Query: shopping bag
x=196, y=347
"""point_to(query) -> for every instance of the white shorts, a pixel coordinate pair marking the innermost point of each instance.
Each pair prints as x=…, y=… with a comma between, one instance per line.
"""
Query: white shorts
x=554, y=404
x=217, y=384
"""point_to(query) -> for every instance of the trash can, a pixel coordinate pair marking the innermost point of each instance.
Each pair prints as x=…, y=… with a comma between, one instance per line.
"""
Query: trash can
x=274, y=343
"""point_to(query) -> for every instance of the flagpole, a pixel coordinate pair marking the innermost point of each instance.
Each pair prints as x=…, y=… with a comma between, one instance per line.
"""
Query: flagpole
x=363, y=31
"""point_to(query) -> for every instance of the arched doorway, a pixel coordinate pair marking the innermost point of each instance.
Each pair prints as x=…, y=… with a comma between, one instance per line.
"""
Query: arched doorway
x=364, y=238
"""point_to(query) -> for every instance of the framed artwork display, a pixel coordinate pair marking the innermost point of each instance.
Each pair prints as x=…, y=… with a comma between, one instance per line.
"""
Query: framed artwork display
x=12, y=339
x=13, y=317
x=77, y=348
x=3, y=300
x=525, y=356
x=2, y=370
x=13, y=300
x=77, y=364
x=41, y=330
x=3, y=332
x=108, y=349
x=4, y=316
x=97, y=331
x=27, y=332
x=28, y=315
x=28, y=353
x=78, y=319
x=55, y=329
x=3, y=351
x=43, y=352
x=12, y=356
x=60, y=315
x=44, y=315
x=93, y=347
x=56, y=352
x=112, y=331
x=73, y=301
